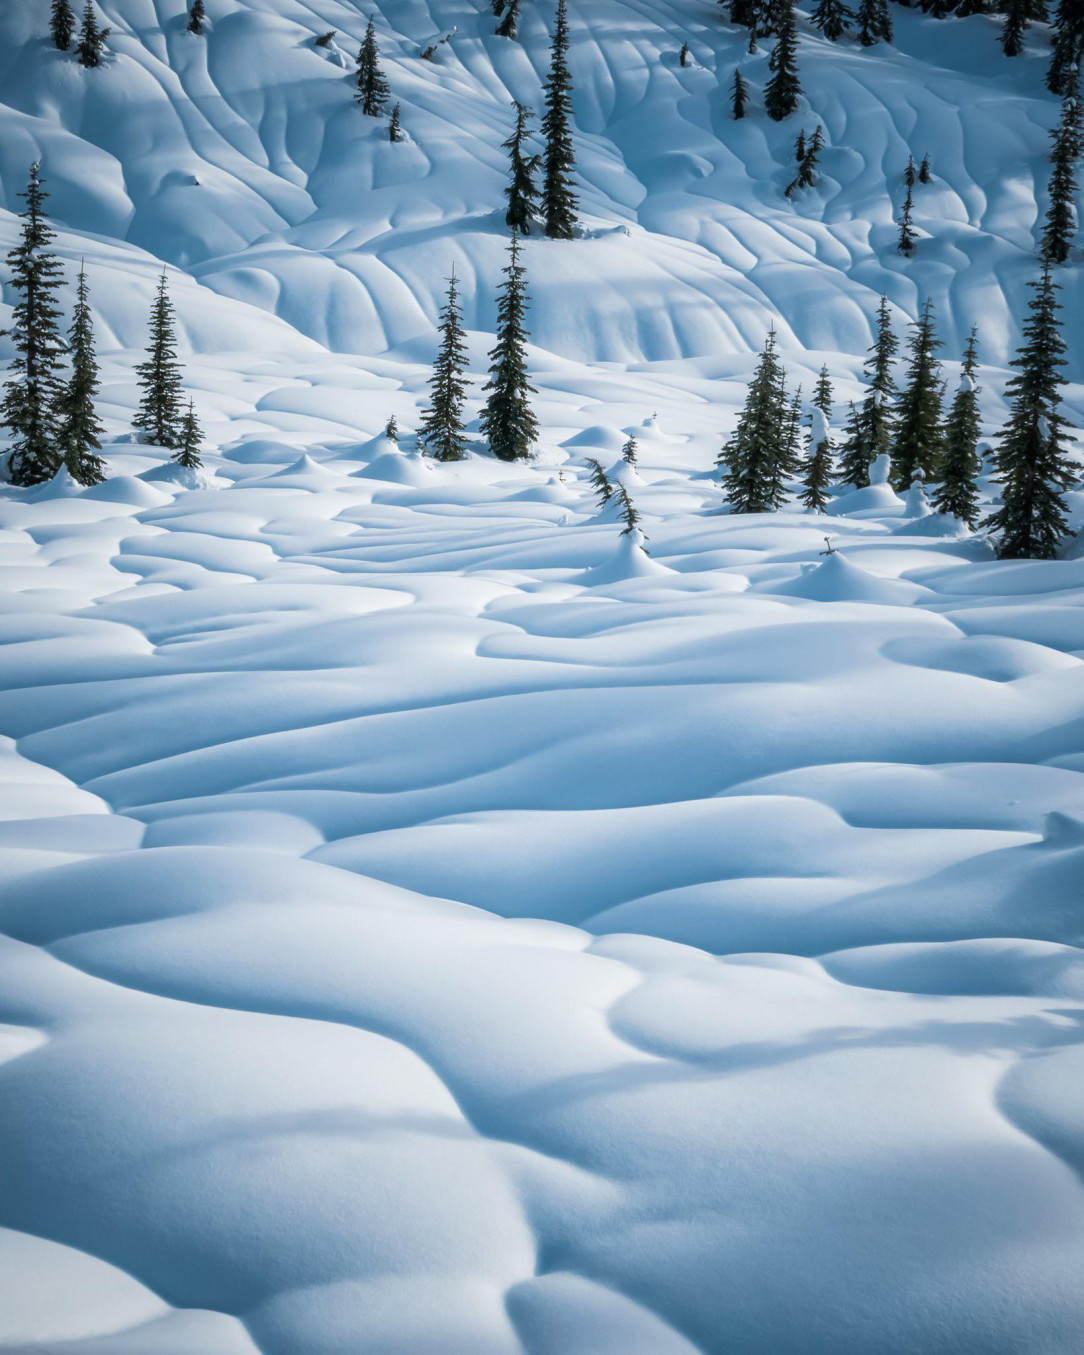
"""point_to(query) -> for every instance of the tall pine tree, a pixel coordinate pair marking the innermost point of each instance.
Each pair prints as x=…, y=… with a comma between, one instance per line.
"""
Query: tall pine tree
x=372, y=87
x=1031, y=461
x=957, y=492
x=907, y=239
x=159, y=416
x=1067, y=140
x=817, y=470
x=739, y=92
x=559, y=203
x=80, y=435
x=522, y=193
x=441, y=429
x=759, y=446
x=510, y=20
x=33, y=387
x=1067, y=48
x=833, y=18
x=508, y=422
x=1018, y=14
x=874, y=22
x=783, y=88
x=919, y=427
x=868, y=433
x=62, y=24
x=91, y=46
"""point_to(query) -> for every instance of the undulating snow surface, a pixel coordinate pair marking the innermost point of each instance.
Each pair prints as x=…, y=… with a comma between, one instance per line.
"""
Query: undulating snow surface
x=433, y=923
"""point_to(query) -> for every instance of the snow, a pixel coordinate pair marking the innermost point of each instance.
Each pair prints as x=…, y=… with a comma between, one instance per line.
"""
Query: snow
x=436, y=920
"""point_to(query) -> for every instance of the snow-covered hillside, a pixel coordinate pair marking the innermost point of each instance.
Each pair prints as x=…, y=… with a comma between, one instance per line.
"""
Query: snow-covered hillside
x=428, y=921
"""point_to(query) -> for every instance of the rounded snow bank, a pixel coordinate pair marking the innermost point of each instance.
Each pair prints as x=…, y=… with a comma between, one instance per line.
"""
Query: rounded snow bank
x=401, y=468
x=629, y=561
x=839, y=580
x=184, y=477
x=127, y=489
x=597, y=438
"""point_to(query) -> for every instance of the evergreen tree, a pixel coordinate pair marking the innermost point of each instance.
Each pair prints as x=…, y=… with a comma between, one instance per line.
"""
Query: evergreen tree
x=62, y=24
x=783, y=88
x=919, y=427
x=745, y=13
x=80, y=433
x=822, y=394
x=808, y=156
x=159, y=415
x=372, y=87
x=630, y=452
x=868, y=433
x=1068, y=46
x=441, y=429
x=833, y=18
x=907, y=238
x=683, y=55
x=33, y=387
x=910, y=174
x=740, y=94
x=1015, y=25
x=507, y=26
x=496, y=8
x=391, y=429
x=855, y=450
x=522, y=193
x=924, y=172
x=626, y=510
x=187, y=453
x=197, y=17
x=758, y=447
x=91, y=46
x=508, y=422
x=1067, y=140
x=874, y=22
x=960, y=462
x=1031, y=461
x=817, y=469
x=600, y=482
x=772, y=17
x=558, y=198
x=395, y=128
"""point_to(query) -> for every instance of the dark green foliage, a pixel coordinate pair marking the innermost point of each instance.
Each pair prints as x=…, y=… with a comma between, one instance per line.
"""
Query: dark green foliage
x=559, y=203
x=496, y=8
x=600, y=482
x=91, y=46
x=783, y=88
x=507, y=26
x=1067, y=47
x=1031, y=461
x=907, y=238
x=62, y=24
x=740, y=94
x=773, y=17
x=868, y=432
x=919, y=427
x=159, y=416
x=910, y=173
x=187, y=453
x=197, y=17
x=522, y=193
x=833, y=18
x=960, y=462
x=683, y=55
x=626, y=510
x=757, y=453
x=808, y=154
x=325, y=39
x=391, y=429
x=1015, y=25
x=874, y=22
x=630, y=452
x=441, y=429
x=508, y=422
x=817, y=468
x=372, y=87
x=80, y=434
x=395, y=127
x=1067, y=140
x=925, y=174
x=745, y=13
x=33, y=386
x=822, y=394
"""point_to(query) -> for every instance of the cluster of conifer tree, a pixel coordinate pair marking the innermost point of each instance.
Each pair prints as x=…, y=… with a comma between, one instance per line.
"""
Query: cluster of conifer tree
x=91, y=38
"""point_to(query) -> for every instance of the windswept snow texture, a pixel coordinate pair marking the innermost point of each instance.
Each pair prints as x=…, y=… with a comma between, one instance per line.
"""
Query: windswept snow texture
x=432, y=923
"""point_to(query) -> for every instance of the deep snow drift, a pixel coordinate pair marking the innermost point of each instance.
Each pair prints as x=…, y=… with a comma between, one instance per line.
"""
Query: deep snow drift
x=433, y=922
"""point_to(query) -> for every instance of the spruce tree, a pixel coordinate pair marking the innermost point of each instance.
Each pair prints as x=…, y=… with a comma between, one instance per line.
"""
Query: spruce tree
x=855, y=453
x=745, y=13
x=391, y=429
x=626, y=510
x=372, y=87
x=522, y=193
x=191, y=435
x=1031, y=462
x=33, y=388
x=630, y=452
x=957, y=493
x=441, y=429
x=1067, y=48
x=910, y=174
x=80, y=432
x=1015, y=25
x=783, y=88
x=395, y=128
x=197, y=17
x=907, y=238
x=868, y=433
x=924, y=172
x=507, y=26
x=558, y=160
x=508, y=422
x=808, y=156
x=874, y=22
x=817, y=470
x=683, y=55
x=739, y=94
x=91, y=46
x=159, y=415
x=1067, y=140
x=772, y=17
x=758, y=447
x=62, y=24
x=919, y=427
x=833, y=18
x=600, y=482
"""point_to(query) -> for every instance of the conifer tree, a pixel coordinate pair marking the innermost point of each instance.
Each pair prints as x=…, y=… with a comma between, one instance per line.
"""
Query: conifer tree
x=833, y=18
x=508, y=422
x=907, y=238
x=1031, y=462
x=759, y=446
x=391, y=429
x=558, y=198
x=395, y=128
x=683, y=55
x=522, y=193
x=496, y=8
x=62, y=24
x=740, y=94
x=1015, y=25
x=910, y=174
x=957, y=493
x=197, y=17
x=855, y=454
x=600, y=482
x=33, y=386
x=372, y=87
x=745, y=13
x=626, y=510
x=91, y=46
x=874, y=22
x=80, y=432
x=159, y=416
x=808, y=156
x=868, y=433
x=817, y=469
x=919, y=427
x=772, y=17
x=1067, y=139
x=507, y=26
x=822, y=394
x=191, y=435
x=441, y=429
x=924, y=172
x=1067, y=48
x=630, y=452
x=783, y=88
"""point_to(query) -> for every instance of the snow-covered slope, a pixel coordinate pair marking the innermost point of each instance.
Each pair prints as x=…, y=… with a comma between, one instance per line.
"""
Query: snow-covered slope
x=432, y=924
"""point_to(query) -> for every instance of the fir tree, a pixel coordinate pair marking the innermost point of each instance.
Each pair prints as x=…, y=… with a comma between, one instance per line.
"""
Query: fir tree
x=744, y=13
x=630, y=452
x=1068, y=46
x=910, y=174
x=1015, y=25
x=757, y=448
x=960, y=462
x=62, y=24
x=919, y=428
x=822, y=394
x=391, y=429
x=507, y=26
x=772, y=17
x=600, y=482
x=817, y=469
x=1066, y=142
x=197, y=17
x=868, y=433
x=508, y=422
x=187, y=453
x=783, y=88
x=558, y=198
x=855, y=450
x=907, y=238
x=808, y=156
x=874, y=22
x=91, y=46
x=1031, y=463
x=626, y=511
x=441, y=429
x=496, y=8
x=740, y=94
x=33, y=387
x=372, y=87
x=924, y=172
x=683, y=55
x=522, y=194
x=159, y=415
x=833, y=18
x=80, y=433
x=395, y=128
